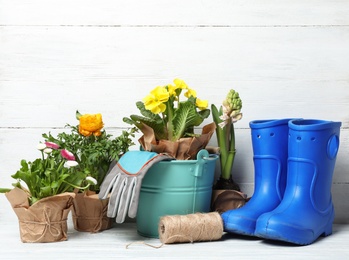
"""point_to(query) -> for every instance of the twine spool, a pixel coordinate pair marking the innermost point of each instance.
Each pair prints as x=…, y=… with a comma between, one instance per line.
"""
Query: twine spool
x=190, y=228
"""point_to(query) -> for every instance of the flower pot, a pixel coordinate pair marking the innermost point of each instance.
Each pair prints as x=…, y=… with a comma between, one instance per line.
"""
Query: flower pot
x=223, y=200
x=176, y=187
x=226, y=195
x=90, y=213
x=45, y=220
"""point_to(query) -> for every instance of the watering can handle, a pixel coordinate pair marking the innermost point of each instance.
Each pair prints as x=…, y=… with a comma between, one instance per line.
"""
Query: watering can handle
x=204, y=155
x=211, y=157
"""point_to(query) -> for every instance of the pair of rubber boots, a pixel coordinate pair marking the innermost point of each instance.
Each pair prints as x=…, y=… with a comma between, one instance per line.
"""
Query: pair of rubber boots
x=294, y=161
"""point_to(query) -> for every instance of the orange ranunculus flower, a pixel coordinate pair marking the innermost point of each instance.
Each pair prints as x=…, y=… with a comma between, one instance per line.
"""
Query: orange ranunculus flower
x=91, y=124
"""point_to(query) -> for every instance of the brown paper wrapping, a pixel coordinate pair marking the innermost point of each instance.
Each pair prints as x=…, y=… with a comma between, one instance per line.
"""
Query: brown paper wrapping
x=90, y=213
x=182, y=149
x=224, y=200
x=45, y=220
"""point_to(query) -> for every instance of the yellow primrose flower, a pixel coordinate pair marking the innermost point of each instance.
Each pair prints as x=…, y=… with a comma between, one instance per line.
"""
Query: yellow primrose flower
x=190, y=93
x=180, y=84
x=156, y=99
x=201, y=104
x=90, y=124
x=172, y=90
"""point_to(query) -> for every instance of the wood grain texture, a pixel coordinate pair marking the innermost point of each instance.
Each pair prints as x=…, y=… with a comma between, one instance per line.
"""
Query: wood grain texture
x=111, y=244
x=279, y=72
x=175, y=13
x=286, y=59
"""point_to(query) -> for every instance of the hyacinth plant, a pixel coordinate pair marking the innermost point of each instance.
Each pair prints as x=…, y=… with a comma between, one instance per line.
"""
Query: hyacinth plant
x=93, y=147
x=167, y=114
x=54, y=173
x=224, y=118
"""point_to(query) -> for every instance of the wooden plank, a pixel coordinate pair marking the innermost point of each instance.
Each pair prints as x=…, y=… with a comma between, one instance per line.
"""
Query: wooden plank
x=279, y=72
x=111, y=244
x=174, y=13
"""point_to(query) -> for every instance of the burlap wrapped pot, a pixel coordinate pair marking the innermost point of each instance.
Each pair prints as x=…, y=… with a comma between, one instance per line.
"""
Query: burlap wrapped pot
x=45, y=220
x=90, y=213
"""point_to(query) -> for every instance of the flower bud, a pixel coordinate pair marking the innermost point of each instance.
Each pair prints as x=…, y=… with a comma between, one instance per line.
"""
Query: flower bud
x=70, y=163
x=47, y=150
x=52, y=145
x=232, y=102
x=91, y=180
x=67, y=155
x=41, y=146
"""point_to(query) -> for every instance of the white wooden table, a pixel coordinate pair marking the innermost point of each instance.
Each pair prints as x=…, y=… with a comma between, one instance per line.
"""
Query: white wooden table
x=111, y=244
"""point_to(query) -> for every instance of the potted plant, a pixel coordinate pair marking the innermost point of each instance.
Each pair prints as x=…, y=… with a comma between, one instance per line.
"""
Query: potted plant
x=95, y=150
x=43, y=194
x=179, y=186
x=226, y=192
x=167, y=122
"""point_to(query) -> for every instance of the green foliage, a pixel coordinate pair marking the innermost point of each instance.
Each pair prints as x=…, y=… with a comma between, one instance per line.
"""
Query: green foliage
x=148, y=118
x=186, y=117
x=176, y=123
x=48, y=176
x=93, y=153
x=224, y=118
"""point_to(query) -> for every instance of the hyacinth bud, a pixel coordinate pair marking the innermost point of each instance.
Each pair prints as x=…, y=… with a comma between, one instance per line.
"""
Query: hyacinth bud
x=232, y=105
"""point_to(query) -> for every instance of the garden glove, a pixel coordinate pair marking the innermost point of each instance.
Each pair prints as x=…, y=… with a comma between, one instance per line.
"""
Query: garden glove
x=124, y=179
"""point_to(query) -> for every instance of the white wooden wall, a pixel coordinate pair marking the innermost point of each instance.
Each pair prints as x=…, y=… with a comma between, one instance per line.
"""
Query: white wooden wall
x=286, y=58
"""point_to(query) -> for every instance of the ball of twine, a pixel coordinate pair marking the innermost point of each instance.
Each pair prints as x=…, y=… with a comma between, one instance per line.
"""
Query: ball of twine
x=190, y=228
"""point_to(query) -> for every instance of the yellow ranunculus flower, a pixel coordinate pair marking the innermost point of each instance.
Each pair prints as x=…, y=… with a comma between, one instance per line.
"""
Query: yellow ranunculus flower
x=201, y=104
x=91, y=124
x=156, y=99
x=180, y=84
x=190, y=93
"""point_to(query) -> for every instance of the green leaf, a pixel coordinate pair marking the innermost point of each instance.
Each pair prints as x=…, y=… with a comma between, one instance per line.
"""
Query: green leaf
x=4, y=190
x=77, y=115
x=45, y=191
x=220, y=134
x=23, y=173
x=145, y=112
x=54, y=185
x=156, y=124
x=128, y=121
x=186, y=117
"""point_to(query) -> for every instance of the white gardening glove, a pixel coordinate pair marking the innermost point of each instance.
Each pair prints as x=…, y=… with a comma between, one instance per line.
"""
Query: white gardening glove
x=124, y=180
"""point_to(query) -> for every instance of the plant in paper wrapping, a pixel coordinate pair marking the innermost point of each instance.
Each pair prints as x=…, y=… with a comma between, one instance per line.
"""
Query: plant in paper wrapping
x=167, y=122
x=55, y=172
x=95, y=150
x=224, y=118
x=93, y=147
x=43, y=193
x=44, y=221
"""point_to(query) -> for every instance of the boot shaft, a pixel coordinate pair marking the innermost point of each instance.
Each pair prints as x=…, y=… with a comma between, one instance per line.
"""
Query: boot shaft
x=269, y=143
x=312, y=150
x=314, y=139
x=269, y=137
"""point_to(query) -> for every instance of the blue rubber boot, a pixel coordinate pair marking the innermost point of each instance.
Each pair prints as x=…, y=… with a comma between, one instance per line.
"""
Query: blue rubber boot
x=306, y=211
x=269, y=143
